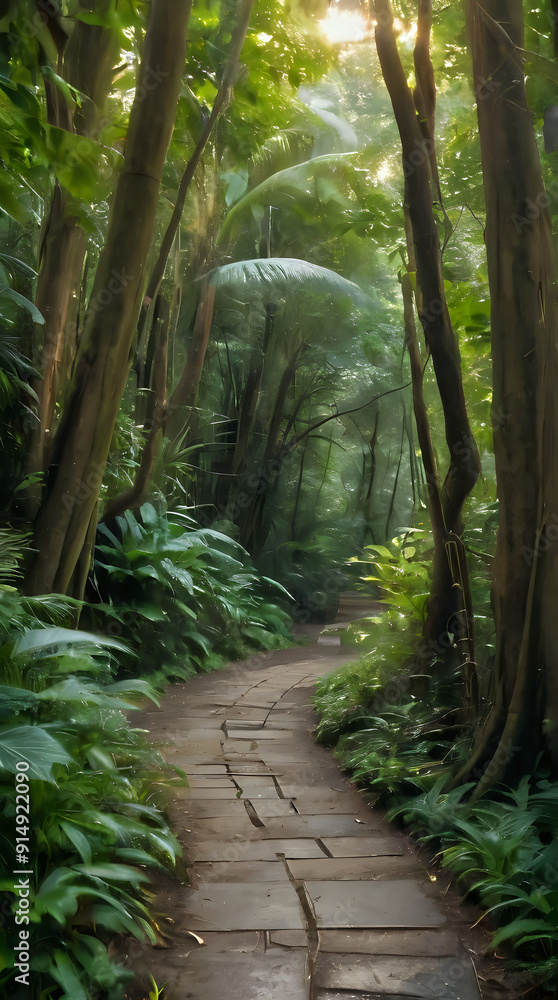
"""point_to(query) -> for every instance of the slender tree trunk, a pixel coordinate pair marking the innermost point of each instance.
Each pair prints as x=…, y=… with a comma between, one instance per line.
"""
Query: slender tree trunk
x=445, y=610
x=102, y=365
x=86, y=63
x=183, y=396
x=524, y=320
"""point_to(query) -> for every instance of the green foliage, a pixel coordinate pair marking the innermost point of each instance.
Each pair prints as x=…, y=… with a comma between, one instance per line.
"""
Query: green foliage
x=400, y=573
x=504, y=849
x=94, y=825
x=188, y=596
x=345, y=698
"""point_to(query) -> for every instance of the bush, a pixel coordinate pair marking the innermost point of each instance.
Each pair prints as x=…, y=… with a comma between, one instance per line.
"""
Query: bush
x=186, y=597
x=94, y=826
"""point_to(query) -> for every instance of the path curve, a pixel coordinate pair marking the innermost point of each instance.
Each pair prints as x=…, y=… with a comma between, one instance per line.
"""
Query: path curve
x=298, y=890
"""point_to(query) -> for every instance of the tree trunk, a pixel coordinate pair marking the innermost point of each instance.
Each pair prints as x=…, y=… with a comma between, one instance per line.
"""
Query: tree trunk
x=524, y=320
x=86, y=63
x=445, y=609
x=102, y=365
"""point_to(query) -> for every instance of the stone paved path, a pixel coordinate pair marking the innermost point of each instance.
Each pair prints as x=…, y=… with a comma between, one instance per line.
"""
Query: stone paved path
x=298, y=889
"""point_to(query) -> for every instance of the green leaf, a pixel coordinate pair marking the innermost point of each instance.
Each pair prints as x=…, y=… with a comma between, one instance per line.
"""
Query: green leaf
x=35, y=640
x=63, y=971
x=78, y=839
x=528, y=929
x=33, y=745
x=274, y=276
x=10, y=293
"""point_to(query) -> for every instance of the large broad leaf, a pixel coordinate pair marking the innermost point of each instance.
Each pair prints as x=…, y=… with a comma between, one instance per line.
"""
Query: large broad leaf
x=273, y=277
x=9, y=293
x=73, y=689
x=296, y=183
x=34, y=641
x=34, y=746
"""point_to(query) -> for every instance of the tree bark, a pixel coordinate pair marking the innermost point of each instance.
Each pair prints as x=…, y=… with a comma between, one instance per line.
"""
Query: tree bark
x=85, y=61
x=524, y=321
x=102, y=364
x=445, y=609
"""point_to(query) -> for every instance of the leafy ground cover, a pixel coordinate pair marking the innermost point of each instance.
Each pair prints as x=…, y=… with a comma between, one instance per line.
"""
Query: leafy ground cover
x=503, y=848
x=97, y=825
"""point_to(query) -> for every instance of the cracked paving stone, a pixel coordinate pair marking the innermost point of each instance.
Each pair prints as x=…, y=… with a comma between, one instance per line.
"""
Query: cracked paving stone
x=410, y=977
x=252, y=850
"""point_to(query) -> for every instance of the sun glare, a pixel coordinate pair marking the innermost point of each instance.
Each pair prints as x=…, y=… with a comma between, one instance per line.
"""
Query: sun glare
x=342, y=26
x=384, y=172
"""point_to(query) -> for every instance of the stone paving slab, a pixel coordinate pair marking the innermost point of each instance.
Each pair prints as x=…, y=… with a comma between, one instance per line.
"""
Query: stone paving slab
x=402, y=903
x=201, y=793
x=257, y=734
x=243, y=976
x=337, y=825
x=214, y=808
x=252, y=850
x=319, y=789
x=320, y=869
x=224, y=906
x=241, y=871
x=268, y=808
x=402, y=941
x=259, y=793
x=450, y=978
x=364, y=846
x=335, y=804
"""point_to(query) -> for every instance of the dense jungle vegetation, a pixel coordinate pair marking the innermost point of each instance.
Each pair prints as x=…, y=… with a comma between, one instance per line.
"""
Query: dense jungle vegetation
x=279, y=320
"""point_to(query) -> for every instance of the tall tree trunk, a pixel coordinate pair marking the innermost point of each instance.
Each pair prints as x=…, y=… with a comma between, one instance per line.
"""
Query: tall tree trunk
x=524, y=320
x=416, y=129
x=86, y=62
x=103, y=361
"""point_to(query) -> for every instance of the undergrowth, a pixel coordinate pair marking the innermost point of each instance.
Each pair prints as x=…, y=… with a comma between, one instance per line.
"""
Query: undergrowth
x=502, y=849
x=187, y=598
x=94, y=826
x=175, y=599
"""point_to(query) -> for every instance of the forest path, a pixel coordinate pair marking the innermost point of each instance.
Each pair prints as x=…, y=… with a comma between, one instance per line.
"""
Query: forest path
x=299, y=890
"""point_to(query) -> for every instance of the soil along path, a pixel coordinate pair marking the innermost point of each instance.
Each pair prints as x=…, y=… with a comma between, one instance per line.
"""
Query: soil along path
x=299, y=890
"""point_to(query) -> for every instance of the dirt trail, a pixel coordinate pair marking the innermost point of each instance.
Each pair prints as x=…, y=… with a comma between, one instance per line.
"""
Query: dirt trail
x=299, y=890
